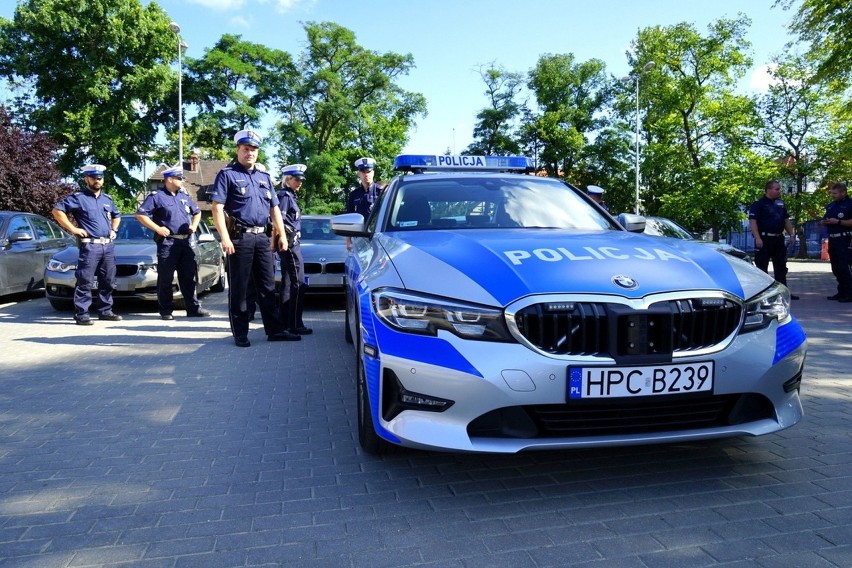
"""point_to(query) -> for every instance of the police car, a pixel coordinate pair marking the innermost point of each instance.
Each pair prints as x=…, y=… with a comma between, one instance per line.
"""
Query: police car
x=493, y=311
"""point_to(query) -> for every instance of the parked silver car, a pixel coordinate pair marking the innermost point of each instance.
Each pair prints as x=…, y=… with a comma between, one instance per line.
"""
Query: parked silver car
x=136, y=266
x=663, y=227
x=27, y=241
x=324, y=254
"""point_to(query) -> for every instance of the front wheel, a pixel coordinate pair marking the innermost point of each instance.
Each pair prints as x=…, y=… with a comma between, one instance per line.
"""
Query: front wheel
x=61, y=305
x=219, y=285
x=367, y=436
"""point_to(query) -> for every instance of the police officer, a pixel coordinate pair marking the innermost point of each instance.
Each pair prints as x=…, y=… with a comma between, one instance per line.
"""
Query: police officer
x=362, y=198
x=174, y=217
x=596, y=192
x=838, y=221
x=768, y=220
x=97, y=220
x=247, y=195
x=292, y=264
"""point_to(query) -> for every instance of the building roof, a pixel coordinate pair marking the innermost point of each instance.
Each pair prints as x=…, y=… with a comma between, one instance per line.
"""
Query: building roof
x=199, y=174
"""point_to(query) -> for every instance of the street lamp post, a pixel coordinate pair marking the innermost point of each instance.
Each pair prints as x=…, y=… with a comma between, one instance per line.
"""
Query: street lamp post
x=181, y=45
x=647, y=67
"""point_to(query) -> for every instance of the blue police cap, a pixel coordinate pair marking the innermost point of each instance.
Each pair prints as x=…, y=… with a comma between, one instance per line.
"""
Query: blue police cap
x=365, y=164
x=93, y=170
x=249, y=137
x=296, y=170
x=173, y=171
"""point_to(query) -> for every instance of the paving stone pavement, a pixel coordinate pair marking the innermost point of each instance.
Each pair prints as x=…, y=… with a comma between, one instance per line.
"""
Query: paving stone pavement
x=145, y=443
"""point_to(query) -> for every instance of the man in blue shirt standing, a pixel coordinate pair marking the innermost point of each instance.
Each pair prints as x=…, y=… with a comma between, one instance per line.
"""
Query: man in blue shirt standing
x=768, y=220
x=246, y=194
x=173, y=216
x=97, y=219
x=838, y=221
x=362, y=198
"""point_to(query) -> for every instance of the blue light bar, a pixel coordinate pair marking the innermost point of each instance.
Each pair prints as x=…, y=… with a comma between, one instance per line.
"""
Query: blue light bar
x=434, y=163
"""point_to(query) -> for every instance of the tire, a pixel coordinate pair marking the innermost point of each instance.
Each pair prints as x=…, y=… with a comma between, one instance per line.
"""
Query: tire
x=61, y=305
x=369, y=440
x=219, y=285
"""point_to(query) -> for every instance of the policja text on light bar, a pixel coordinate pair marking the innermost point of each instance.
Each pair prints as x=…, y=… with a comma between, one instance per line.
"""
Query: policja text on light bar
x=428, y=162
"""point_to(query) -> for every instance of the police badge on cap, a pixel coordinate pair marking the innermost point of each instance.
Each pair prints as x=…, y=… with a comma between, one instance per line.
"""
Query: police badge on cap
x=93, y=170
x=249, y=137
x=362, y=164
x=295, y=170
x=173, y=171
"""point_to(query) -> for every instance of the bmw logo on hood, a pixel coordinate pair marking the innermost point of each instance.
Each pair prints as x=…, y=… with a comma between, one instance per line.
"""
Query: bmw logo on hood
x=625, y=282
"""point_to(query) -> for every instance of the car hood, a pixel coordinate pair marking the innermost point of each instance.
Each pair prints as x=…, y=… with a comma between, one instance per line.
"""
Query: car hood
x=491, y=266
x=126, y=252
x=331, y=251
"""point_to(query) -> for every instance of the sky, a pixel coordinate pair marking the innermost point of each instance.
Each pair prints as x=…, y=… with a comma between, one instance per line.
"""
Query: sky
x=450, y=40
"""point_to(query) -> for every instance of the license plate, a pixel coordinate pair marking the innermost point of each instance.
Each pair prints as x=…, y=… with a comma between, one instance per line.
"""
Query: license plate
x=648, y=380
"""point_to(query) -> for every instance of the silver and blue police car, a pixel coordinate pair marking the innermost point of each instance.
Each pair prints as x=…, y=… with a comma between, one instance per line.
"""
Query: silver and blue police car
x=493, y=311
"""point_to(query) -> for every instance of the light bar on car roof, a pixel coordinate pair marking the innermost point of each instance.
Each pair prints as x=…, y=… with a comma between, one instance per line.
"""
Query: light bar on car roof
x=434, y=163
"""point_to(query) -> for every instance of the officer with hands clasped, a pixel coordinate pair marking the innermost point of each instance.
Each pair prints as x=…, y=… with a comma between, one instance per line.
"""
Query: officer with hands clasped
x=173, y=216
x=292, y=264
x=97, y=219
x=768, y=221
x=362, y=198
x=838, y=221
x=247, y=196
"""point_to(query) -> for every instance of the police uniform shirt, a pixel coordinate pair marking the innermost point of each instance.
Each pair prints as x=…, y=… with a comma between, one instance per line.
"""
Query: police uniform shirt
x=94, y=214
x=173, y=211
x=839, y=210
x=247, y=196
x=770, y=215
x=290, y=209
x=361, y=200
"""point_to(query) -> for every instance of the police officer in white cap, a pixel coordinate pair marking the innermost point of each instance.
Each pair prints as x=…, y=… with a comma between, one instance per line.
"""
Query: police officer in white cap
x=292, y=265
x=596, y=193
x=97, y=220
x=248, y=197
x=173, y=216
x=362, y=198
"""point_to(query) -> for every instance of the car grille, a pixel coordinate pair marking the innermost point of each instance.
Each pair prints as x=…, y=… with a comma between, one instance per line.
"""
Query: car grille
x=334, y=268
x=619, y=331
x=313, y=268
x=122, y=270
x=610, y=417
x=317, y=268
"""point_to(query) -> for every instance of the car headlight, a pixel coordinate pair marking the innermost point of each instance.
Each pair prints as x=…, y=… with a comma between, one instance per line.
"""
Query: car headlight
x=771, y=304
x=56, y=266
x=426, y=315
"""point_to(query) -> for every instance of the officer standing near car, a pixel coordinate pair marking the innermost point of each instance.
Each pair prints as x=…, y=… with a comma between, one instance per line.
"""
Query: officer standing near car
x=838, y=222
x=292, y=264
x=173, y=216
x=97, y=220
x=362, y=198
x=248, y=197
x=768, y=221
x=595, y=192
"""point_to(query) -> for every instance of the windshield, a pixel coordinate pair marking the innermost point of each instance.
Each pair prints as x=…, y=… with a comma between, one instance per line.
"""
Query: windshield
x=319, y=230
x=441, y=202
x=660, y=227
x=131, y=229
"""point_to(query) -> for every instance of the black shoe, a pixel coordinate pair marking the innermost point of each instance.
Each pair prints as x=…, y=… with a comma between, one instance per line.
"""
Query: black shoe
x=301, y=330
x=242, y=342
x=167, y=317
x=283, y=336
x=834, y=297
x=844, y=299
x=199, y=314
x=110, y=317
x=794, y=297
x=84, y=321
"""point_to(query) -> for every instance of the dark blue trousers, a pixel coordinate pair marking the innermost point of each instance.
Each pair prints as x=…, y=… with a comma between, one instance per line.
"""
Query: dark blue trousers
x=177, y=255
x=96, y=261
x=774, y=249
x=252, y=258
x=840, y=256
x=292, y=287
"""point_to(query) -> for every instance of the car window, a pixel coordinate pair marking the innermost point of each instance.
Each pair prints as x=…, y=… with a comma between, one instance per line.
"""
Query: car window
x=319, y=230
x=131, y=229
x=42, y=228
x=666, y=228
x=423, y=202
x=19, y=224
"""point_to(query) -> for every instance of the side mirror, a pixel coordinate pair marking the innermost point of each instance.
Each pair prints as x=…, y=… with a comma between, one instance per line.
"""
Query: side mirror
x=20, y=236
x=633, y=223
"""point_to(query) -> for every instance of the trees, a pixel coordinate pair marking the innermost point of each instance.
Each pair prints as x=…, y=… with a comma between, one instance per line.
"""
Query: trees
x=95, y=75
x=494, y=131
x=29, y=178
x=827, y=26
x=343, y=103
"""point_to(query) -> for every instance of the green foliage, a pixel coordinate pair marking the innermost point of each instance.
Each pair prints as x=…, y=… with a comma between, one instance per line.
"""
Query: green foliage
x=827, y=26
x=494, y=131
x=96, y=76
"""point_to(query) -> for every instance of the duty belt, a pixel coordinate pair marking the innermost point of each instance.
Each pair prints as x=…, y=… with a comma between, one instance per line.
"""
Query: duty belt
x=178, y=237
x=97, y=241
x=770, y=234
x=254, y=230
x=843, y=234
